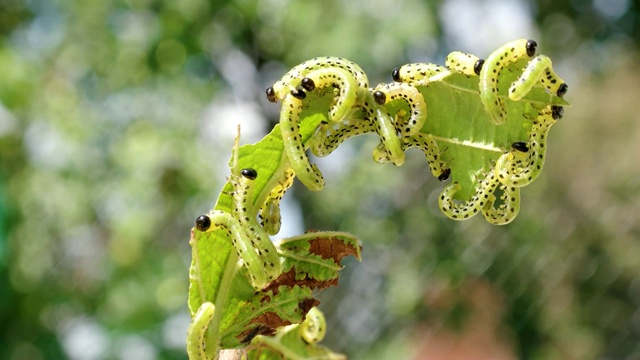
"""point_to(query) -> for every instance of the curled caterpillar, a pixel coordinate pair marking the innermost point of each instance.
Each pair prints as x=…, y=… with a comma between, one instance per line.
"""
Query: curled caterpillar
x=520, y=168
x=507, y=211
x=348, y=95
x=251, y=259
x=491, y=71
x=429, y=147
x=328, y=136
x=293, y=78
x=539, y=69
x=414, y=100
x=385, y=127
x=251, y=242
x=471, y=207
x=314, y=327
x=307, y=173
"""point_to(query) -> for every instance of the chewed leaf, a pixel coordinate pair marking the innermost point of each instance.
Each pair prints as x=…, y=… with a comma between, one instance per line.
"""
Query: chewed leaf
x=311, y=262
x=317, y=255
x=326, y=245
x=298, y=341
x=267, y=311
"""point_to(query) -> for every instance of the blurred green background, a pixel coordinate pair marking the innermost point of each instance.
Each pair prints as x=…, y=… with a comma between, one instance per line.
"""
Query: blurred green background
x=117, y=120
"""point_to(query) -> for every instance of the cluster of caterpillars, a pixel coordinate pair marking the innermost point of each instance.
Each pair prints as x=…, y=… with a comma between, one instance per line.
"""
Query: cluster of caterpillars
x=401, y=130
x=357, y=109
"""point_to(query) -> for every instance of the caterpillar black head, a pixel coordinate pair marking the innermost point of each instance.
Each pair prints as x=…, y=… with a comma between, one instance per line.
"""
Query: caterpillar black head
x=445, y=174
x=520, y=146
x=380, y=97
x=249, y=173
x=395, y=74
x=307, y=84
x=271, y=95
x=531, y=48
x=203, y=223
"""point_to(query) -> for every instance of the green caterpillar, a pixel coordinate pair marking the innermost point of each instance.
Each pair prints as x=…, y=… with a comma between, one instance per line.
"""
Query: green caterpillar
x=464, y=63
x=252, y=243
x=307, y=173
x=538, y=70
x=314, y=327
x=292, y=80
x=347, y=87
x=524, y=163
x=471, y=207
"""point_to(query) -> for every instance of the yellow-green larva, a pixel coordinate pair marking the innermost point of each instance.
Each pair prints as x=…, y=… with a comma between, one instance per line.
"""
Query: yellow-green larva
x=429, y=147
x=248, y=238
x=464, y=63
x=538, y=70
x=416, y=74
x=328, y=136
x=347, y=86
x=519, y=168
x=196, y=333
x=259, y=239
x=413, y=98
x=314, y=327
x=384, y=125
x=490, y=75
x=292, y=79
x=307, y=173
x=471, y=207
x=243, y=244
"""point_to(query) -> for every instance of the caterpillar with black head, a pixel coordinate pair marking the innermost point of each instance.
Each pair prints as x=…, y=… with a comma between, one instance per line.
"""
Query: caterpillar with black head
x=470, y=207
x=314, y=327
x=538, y=70
x=248, y=238
x=294, y=78
x=522, y=165
x=307, y=173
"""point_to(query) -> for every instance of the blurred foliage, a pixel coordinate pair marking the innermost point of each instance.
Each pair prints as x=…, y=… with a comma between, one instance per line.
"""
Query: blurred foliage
x=116, y=124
